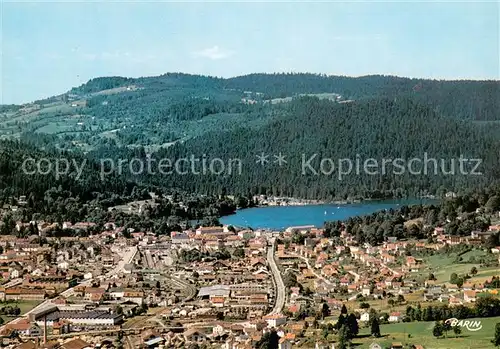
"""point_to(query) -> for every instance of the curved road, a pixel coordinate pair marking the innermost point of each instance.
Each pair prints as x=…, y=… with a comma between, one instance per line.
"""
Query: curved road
x=186, y=285
x=278, y=281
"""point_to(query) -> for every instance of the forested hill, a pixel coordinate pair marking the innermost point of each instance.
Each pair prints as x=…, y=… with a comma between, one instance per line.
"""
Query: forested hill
x=26, y=169
x=376, y=128
x=175, y=115
x=476, y=100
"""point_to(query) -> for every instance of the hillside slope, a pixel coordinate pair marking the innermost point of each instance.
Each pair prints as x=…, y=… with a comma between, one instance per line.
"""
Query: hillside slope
x=378, y=129
x=174, y=115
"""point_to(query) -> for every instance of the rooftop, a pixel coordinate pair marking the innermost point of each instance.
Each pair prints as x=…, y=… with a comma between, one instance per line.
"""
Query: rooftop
x=215, y=290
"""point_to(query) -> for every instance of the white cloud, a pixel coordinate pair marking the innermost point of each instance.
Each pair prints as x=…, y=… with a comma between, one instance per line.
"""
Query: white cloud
x=214, y=53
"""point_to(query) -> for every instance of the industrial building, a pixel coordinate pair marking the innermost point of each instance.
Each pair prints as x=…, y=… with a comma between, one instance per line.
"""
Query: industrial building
x=80, y=317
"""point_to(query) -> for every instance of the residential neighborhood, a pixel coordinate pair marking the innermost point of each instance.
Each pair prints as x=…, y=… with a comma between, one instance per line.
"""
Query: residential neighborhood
x=223, y=287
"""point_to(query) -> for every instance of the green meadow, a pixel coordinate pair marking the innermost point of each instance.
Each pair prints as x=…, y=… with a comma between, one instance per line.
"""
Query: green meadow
x=421, y=333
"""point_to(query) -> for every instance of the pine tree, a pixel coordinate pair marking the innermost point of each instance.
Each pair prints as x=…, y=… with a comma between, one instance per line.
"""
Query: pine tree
x=446, y=327
x=375, y=327
x=340, y=322
x=352, y=322
x=418, y=313
x=344, y=337
x=438, y=329
x=428, y=314
x=496, y=339
x=325, y=311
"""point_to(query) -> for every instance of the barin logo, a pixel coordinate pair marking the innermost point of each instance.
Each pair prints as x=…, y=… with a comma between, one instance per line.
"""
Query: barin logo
x=468, y=324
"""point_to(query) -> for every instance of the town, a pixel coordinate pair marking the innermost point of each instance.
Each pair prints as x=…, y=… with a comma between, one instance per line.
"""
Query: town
x=224, y=287
x=251, y=175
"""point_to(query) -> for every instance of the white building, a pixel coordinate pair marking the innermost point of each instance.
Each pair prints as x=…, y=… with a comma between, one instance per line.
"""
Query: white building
x=275, y=320
x=395, y=317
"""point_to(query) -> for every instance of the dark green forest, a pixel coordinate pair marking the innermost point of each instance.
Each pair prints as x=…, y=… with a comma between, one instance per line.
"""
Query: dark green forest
x=87, y=196
x=375, y=128
x=474, y=100
x=458, y=216
x=178, y=115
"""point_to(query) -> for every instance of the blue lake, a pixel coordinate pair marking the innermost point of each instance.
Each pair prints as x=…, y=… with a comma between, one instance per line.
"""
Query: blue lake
x=279, y=217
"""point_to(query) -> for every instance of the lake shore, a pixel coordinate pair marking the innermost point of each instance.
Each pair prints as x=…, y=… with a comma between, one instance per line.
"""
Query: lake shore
x=282, y=217
x=273, y=201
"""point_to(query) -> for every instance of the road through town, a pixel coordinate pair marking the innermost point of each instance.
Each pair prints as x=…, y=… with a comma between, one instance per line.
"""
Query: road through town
x=278, y=280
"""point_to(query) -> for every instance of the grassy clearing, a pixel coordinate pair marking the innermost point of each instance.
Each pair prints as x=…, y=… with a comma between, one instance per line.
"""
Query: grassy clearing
x=442, y=266
x=484, y=274
x=6, y=318
x=56, y=127
x=57, y=108
x=137, y=321
x=421, y=333
x=25, y=306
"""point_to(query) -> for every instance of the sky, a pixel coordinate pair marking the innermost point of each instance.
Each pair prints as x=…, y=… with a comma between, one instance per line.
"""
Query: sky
x=49, y=47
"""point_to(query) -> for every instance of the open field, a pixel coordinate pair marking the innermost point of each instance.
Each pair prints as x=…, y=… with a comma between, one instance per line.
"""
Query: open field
x=115, y=90
x=25, y=306
x=442, y=266
x=56, y=127
x=381, y=305
x=7, y=319
x=421, y=333
x=137, y=321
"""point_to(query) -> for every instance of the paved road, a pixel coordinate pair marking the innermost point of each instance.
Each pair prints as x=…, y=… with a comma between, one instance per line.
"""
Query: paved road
x=280, y=286
x=129, y=342
x=191, y=290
